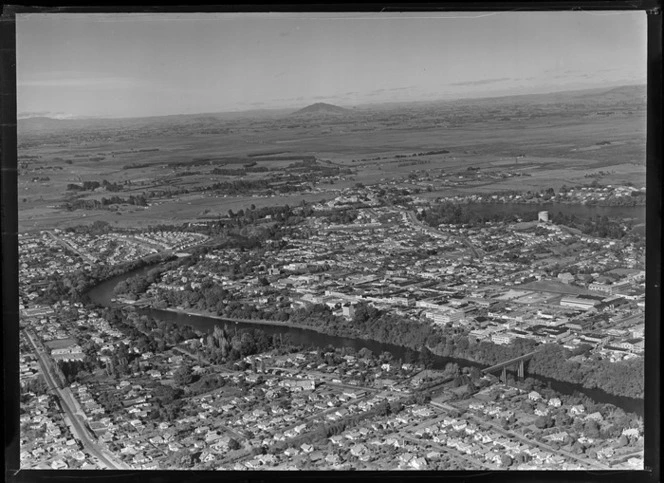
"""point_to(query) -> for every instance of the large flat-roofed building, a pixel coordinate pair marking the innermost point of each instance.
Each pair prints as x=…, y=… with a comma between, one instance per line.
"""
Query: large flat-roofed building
x=608, y=288
x=503, y=338
x=443, y=317
x=579, y=303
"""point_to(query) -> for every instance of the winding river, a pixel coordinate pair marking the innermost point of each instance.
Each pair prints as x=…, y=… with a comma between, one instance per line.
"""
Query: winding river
x=103, y=293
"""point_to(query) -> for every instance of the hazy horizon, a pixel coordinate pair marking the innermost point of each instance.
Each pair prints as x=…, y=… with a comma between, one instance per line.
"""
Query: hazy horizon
x=145, y=65
x=293, y=109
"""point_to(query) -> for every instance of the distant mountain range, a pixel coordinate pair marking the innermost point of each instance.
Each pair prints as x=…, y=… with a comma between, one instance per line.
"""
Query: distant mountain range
x=322, y=109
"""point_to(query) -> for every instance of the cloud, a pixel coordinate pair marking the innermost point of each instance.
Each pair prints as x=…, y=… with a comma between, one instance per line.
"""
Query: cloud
x=52, y=114
x=481, y=82
x=102, y=82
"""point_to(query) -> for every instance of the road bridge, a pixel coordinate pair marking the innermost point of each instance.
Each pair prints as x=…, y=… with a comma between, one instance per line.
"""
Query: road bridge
x=518, y=362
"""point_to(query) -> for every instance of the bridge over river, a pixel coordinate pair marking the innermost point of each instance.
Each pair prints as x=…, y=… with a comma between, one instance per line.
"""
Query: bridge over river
x=518, y=362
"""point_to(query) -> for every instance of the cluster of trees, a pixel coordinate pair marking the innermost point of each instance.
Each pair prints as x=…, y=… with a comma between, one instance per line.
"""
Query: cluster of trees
x=624, y=378
x=111, y=186
x=97, y=228
x=597, y=226
x=122, y=362
x=552, y=360
x=342, y=217
x=229, y=172
x=279, y=214
x=86, y=186
x=71, y=369
x=134, y=285
x=428, y=153
x=222, y=346
x=246, y=161
x=247, y=168
x=206, y=161
x=74, y=285
x=209, y=297
x=637, y=198
x=455, y=213
x=137, y=165
x=484, y=352
x=240, y=186
x=36, y=385
x=93, y=185
x=78, y=204
x=367, y=323
x=137, y=284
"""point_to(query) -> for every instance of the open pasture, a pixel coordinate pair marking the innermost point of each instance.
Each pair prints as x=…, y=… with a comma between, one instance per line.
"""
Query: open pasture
x=565, y=143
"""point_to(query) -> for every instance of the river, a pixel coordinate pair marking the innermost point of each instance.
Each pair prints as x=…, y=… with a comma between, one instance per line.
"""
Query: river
x=103, y=293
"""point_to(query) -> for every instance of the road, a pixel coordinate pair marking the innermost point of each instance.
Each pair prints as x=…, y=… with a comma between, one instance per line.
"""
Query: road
x=413, y=219
x=514, y=435
x=67, y=246
x=72, y=415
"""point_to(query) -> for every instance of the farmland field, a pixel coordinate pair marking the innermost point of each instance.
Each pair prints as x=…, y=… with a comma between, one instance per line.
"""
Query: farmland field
x=188, y=168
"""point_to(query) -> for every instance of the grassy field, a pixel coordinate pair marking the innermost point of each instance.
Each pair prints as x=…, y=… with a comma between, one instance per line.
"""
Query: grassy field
x=561, y=142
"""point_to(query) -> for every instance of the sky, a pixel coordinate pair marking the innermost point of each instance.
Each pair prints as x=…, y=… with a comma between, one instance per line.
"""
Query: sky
x=134, y=65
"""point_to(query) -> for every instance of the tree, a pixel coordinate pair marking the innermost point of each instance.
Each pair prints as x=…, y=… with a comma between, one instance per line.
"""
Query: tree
x=396, y=406
x=591, y=429
x=451, y=369
x=426, y=358
x=365, y=353
x=233, y=444
x=543, y=422
x=563, y=419
x=577, y=425
x=183, y=375
x=506, y=460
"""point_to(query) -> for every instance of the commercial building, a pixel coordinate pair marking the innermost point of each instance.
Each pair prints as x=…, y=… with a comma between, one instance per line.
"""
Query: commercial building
x=579, y=303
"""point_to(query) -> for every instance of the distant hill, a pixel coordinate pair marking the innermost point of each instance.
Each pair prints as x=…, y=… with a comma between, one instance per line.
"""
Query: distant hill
x=602, y=95
x=322, y=109
x=632, y=93
x=625, y=95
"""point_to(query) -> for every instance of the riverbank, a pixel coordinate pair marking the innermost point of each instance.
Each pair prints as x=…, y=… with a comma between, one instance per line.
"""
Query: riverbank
x=316, y=335
x=259, y=322
x=210, y=315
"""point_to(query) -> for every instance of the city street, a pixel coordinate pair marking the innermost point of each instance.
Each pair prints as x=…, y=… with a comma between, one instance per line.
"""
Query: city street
x=72, y=416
